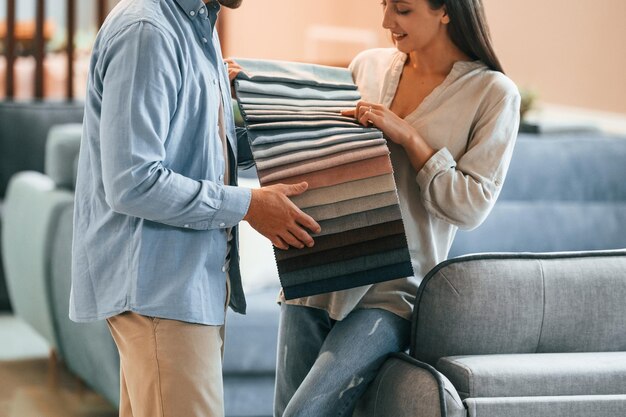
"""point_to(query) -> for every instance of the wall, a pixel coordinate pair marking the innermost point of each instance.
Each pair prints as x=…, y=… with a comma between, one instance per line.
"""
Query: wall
x=569, y=51
x=56, y=12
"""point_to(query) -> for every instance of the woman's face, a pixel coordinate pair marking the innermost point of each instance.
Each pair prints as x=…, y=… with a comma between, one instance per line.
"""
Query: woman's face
x=413, y=24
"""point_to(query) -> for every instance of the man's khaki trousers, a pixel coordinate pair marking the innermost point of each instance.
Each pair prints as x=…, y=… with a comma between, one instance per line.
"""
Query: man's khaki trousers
x=168, y=368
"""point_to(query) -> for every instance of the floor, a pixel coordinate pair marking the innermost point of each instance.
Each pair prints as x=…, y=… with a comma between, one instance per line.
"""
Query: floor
x=27, y=386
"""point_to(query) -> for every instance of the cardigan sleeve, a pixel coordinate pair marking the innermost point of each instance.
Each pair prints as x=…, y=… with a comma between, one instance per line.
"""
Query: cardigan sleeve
x=463, y=191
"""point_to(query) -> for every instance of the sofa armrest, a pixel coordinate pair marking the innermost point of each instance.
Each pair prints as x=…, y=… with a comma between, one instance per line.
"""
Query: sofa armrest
x=521, y=303
x=30, y=215
x=406, y=387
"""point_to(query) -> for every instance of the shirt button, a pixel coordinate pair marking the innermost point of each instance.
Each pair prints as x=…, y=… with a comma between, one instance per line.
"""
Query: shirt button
x=214, y=82
x=192, y=13
x=222, y=224
x=202, y=10
x=205, y=40
x=186, y=225
x=221, y=178
x=224, y=268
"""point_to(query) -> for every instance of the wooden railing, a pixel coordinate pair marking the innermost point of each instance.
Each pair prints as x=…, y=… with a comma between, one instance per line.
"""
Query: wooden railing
x=39, y=50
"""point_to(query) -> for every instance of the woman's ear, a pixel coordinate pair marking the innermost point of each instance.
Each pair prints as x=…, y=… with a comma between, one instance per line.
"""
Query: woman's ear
x=445, y=19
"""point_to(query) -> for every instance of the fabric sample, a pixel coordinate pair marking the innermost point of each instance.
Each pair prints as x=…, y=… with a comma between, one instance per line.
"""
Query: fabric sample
x=274, y=107
x=359, y=220
x=347, y=238
x=338, y=174
x=249, y=98
x=346, y=267
x=345, y=191
x=321, y=163
x=283, y=135
x=355, y=205
x=297, y=134
x=292, y=90
x=383, y=244
x=293, y=116
x=266, y=151
x=304, y=124
x=308, y=154
x=372, y=276
x=294, y=111
x=295, y=73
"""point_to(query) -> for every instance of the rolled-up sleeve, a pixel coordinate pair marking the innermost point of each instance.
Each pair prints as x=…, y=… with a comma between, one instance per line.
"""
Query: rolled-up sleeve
x=462, y=192
x=140, y=83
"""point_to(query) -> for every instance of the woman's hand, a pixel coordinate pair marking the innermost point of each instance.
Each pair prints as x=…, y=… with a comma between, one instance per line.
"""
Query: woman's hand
x=233, y=69
x=395, y=129
x=373, y=114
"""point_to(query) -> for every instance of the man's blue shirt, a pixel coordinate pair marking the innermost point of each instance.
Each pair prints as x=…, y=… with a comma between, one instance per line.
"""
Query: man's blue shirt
x=152, y=211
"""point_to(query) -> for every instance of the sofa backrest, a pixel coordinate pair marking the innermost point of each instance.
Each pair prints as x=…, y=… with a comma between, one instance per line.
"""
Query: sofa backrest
x=562, y=193
x=62, y=148
x=522, y=303
x=24, y=128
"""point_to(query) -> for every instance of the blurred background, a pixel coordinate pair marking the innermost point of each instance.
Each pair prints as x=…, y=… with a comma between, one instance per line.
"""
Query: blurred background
x=564, y=53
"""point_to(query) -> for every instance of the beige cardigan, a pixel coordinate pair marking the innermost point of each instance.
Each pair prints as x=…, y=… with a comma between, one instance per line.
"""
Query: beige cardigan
x=471, y=119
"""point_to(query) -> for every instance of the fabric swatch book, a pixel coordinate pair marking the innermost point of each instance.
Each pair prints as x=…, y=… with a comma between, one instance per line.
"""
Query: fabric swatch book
x=292, y=112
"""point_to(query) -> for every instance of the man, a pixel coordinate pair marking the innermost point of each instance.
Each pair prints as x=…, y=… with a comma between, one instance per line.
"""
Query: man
x=153, y=250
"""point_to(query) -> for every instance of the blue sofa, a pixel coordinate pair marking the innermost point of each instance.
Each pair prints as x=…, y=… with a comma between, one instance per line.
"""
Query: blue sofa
x=563, y=193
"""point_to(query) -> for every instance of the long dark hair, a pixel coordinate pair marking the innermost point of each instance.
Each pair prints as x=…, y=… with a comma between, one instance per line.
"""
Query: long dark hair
x=469, y=31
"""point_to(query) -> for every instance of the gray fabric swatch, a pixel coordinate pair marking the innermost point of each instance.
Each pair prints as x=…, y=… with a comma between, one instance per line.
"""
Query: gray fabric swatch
x=355, y=205
x=359, y=220
x=346, y=267
x=268, y=150
x=345, y=191
x=307, y=154
x=249, y=98
x=253, y=119
x=275, y=136
x=295, y=72
x=292, y=90
x=303, y=124
x=357, y=279
x=275, y=107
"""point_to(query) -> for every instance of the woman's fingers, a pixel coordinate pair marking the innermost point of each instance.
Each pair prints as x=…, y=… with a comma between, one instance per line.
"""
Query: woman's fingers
x=371, y=117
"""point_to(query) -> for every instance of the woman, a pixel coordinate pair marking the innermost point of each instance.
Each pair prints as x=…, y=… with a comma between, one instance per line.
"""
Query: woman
x=450, y=116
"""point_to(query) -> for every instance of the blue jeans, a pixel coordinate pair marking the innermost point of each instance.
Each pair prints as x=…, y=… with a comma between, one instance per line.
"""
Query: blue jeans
x=324, y=365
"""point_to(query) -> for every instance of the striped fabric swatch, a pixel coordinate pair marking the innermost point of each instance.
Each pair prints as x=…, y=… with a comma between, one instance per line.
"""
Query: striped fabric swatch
x=292, y=112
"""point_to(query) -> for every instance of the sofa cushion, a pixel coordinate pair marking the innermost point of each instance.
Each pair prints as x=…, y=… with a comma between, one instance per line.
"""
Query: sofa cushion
x=536, y=374
x=522, y=303
x=62, y=149
x=561, y=406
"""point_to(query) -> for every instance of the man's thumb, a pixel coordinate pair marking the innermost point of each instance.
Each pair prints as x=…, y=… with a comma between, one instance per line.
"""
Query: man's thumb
x=296, y=189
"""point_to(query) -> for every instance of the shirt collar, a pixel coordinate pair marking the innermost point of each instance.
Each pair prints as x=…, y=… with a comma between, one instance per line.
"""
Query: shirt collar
x=192, y=7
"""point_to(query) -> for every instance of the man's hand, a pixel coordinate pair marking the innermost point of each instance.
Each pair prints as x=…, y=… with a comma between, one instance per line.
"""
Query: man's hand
x=272, y=214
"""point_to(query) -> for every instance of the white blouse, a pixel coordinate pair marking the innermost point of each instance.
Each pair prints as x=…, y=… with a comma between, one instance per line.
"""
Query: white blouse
x=472, y=120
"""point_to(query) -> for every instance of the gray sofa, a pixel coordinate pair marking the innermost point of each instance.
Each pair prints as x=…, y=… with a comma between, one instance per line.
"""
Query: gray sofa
x=23, y=130
x=520, y=334
x=512, y=335
x=563, y=193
